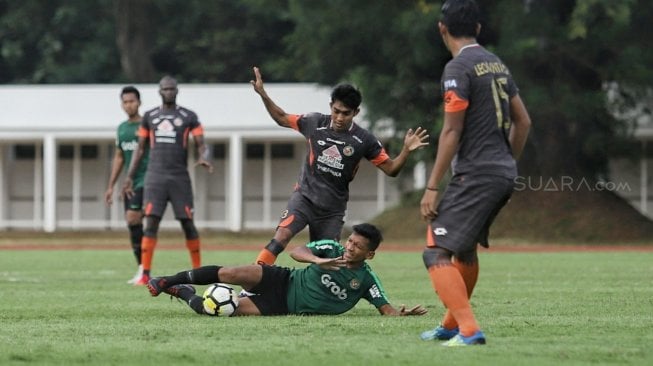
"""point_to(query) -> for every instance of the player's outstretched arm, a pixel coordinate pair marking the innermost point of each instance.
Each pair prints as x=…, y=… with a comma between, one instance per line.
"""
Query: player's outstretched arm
x=390, y=310
x=277, y=114
x=304, y=255
x=412, y=141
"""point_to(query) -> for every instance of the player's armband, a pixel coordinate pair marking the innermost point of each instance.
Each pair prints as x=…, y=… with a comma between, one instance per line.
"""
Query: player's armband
x=454, y=103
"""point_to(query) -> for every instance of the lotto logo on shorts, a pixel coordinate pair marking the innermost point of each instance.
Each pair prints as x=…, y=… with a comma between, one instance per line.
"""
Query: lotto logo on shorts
x=440, y=231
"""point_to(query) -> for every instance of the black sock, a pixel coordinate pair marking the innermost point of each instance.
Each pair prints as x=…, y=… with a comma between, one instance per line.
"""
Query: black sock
x=199, y=276
x=136, y=235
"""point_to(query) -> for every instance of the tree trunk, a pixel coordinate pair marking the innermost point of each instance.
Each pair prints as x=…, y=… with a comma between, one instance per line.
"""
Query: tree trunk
x=133, y=30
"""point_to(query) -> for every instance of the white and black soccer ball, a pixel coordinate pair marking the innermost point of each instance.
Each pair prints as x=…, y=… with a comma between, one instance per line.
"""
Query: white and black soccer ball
x=220, y=300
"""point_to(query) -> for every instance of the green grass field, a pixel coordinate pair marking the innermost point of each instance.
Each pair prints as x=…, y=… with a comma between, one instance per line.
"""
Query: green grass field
x=576, y=308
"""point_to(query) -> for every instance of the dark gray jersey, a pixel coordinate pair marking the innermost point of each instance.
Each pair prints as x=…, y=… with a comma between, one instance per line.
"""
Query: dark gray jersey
x=167, y=131
x=333, y=159
x=478, y=82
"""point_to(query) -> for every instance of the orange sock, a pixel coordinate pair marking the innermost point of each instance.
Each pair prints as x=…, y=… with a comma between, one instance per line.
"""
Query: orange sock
x=266, y=257
x=470, y=275
x=450, y=287
x=147, y=252
x=193, y=246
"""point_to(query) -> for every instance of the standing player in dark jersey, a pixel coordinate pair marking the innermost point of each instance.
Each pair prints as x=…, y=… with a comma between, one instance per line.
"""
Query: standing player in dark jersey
x=336, y=145
x=485, y=128
x=126, y=143
x=337, y=278
x=167, y=128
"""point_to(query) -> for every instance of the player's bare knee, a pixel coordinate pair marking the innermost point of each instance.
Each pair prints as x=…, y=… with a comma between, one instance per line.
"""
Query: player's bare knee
x=436, y=257
x=133, y=218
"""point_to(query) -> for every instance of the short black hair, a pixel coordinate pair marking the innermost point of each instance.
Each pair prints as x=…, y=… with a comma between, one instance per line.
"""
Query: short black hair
x=461, y=17
x=132, y=90
x=348, y=95
x=371, y=233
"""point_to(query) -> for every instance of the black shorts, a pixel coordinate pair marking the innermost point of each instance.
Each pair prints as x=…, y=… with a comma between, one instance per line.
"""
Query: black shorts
x=272, y=292
x=136, y=202
x=467, y=210
x=322, y=224
x=160, y=188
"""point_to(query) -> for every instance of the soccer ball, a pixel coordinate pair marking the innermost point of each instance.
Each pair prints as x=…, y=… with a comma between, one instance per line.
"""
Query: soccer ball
x=220, y=300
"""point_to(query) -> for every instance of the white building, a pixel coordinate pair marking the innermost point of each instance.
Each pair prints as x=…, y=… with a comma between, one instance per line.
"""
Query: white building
x=56, y=146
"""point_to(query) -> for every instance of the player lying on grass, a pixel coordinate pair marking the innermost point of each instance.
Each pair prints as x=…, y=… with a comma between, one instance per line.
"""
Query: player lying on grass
x=337, y=278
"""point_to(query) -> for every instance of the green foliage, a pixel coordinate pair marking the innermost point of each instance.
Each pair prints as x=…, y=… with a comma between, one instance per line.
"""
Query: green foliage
x=57, y=42
x=580, y=308
x=563, y=54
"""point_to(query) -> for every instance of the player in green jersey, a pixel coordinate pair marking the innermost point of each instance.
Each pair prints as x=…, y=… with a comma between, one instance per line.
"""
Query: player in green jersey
x=336, y=279
x=126, y=143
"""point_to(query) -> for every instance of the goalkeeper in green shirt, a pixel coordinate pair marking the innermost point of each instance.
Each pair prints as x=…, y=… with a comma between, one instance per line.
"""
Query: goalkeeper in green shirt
x=337, y=278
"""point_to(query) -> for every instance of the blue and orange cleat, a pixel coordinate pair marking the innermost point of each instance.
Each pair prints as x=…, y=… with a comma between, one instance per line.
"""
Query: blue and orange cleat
x=459, y=340
x=439, y=333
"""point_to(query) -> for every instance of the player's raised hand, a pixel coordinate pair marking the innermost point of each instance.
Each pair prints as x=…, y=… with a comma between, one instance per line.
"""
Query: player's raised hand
x=331, y=264
x=258, y=82
x=416, y=139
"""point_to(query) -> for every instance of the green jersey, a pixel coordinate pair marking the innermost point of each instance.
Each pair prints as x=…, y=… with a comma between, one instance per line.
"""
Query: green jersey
x=127, y=142
x=313, y=290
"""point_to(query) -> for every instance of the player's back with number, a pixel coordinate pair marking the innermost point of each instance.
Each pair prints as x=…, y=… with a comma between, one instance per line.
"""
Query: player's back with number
x=482, y=84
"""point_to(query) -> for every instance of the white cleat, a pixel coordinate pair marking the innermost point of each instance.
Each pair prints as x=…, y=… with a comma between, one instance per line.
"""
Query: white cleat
x=137, y=276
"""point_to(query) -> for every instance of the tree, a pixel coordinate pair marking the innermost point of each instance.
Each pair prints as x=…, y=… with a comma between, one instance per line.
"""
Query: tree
x=56, y=42
x=561, y=52
x=134, y=36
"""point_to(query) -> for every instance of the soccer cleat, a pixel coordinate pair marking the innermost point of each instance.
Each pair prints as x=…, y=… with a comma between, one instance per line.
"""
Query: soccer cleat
x=142, y=281
x=460, y=340
x=157, y=285
x=440, y=333
x=137, y=276
x=176, y=289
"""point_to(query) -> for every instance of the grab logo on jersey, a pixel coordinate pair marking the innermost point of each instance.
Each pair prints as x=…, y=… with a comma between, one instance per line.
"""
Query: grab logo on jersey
x=341, y=293
x=129, y=145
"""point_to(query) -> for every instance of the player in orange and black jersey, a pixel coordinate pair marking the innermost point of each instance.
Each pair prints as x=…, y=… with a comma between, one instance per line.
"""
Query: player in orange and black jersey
x=336, y=145
x=485, y=128
x=167, y=128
